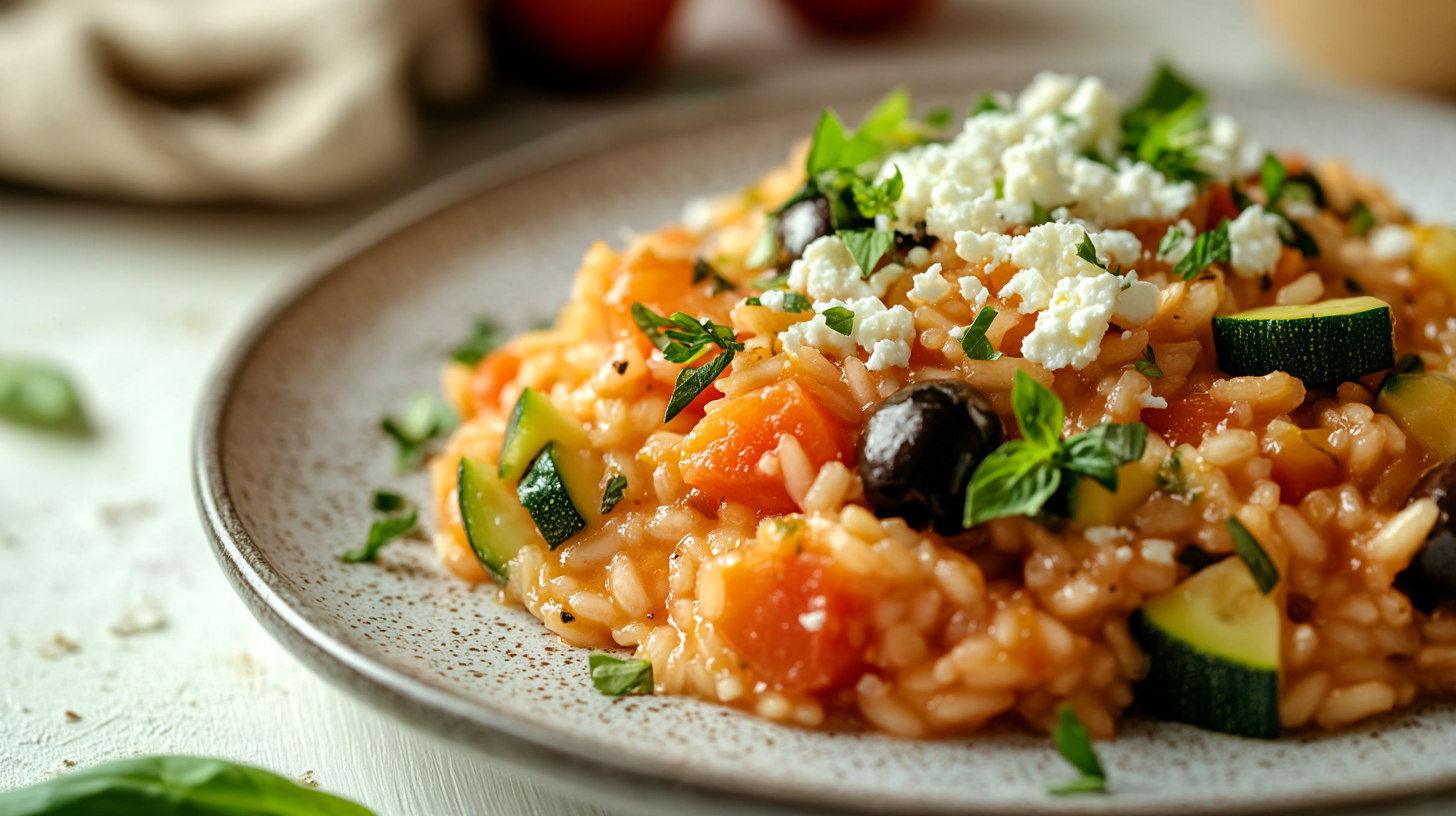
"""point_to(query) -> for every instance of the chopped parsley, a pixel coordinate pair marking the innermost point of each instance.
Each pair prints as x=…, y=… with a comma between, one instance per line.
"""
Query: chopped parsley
x=839, y=319
x=683, y=339
x=615, y=676
x=998, y=188
x=702, y=270
x=1170, y=241
x=877, y=199
x=1021, y=476
x=778, y=281
x=797, y=303
x=483, y=339
x=985, y=103
x=1087, y=251
x=1212, y=246
x=1075, y=745
x=1273, y=179
x=1266, y=575
x=612, y=495
x=1167, y=126
x=1362, y=220
x=1148, y=365
x=1173, y=480
x=397, y=518
x=867, y=247
x=1039, y=215
x=973, y=339
x=41, y=396
x=425, y=417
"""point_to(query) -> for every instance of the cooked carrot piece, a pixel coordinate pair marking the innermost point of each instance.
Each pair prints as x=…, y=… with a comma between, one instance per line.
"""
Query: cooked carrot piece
x=722, y=453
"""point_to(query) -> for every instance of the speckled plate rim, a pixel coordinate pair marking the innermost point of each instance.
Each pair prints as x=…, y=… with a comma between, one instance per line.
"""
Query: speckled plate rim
x=497, y=733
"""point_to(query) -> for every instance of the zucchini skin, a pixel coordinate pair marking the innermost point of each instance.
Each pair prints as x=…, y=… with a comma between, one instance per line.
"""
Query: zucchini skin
x=495, y=525
x=543, y=493
x=1190, y=686
x=1323, y=350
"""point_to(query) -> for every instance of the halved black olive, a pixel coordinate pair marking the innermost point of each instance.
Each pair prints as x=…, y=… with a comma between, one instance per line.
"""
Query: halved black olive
x=799, y=225
x=1431, y=577
x=918, y=449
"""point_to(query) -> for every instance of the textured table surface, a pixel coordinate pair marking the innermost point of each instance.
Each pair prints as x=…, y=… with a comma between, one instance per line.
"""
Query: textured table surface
x=118, y=633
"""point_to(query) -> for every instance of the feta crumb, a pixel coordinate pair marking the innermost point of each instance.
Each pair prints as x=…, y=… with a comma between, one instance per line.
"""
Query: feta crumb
x=974, y=292
x=1069, y=330
x=989, y=249
x=816, y=333
x=813, y=621
x=930, y=285
x=1179, y=249
x=886, y=333
x=1254, y=242
x=1103, y=536
x=773, y=299
x=1136, y=303
x=828, y=272
x=1391, y=242
x=1047, y=92
x=1158, y=551
x=1147, y=400
x=917, y=256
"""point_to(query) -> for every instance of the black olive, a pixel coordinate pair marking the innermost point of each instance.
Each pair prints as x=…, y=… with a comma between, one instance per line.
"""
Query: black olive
x=1431, y=577
x=800, y=225
x=906, y=241
x=918, y=449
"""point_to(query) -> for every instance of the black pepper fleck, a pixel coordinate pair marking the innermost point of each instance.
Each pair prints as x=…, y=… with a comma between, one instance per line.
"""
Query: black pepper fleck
x=567, y=617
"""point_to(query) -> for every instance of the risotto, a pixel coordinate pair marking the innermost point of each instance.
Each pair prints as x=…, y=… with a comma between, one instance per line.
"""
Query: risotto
x=1072, y=404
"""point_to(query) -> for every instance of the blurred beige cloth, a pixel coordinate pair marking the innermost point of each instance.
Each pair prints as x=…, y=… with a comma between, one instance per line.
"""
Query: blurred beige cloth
x=280, y=101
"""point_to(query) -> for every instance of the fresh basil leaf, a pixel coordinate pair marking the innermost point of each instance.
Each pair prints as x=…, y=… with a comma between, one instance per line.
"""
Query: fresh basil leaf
x=1074, y=743
x=387, y=501
x=839, y=319
x=985, y=103
x=1410, y=364
x=1170, y=142
x=1039, y=215
x=1082, y=784
x=797, y=303
x=1015, y=480
x=1088, y=455
x=612, y=495
x=778, y=281
x=425, y=417
x=381, y=532
x=616, y=677
x=1212, y=246
x=827, y=144
x=888, y=116
x=41, y=396
x=1362, y=220
x=1170, y=241
x=651, y=325
x=1166, y=92
x=1294, y=235
x=1305, y=186
x=483, y=339
x=173, y=786
x=1148, y=365
x=1038, y=411
x=1272, y=179
x=973, y=339
x=693, y=381
x=1088, y=252
x=753, y=301
x=1266, y=575
x=867, y=247
x=937, y=118
x=683, y=353
x=872, y=200
x=1124, y=442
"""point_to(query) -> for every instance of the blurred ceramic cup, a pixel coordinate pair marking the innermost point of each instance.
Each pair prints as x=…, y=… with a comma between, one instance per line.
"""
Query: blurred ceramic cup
x=1406, y=43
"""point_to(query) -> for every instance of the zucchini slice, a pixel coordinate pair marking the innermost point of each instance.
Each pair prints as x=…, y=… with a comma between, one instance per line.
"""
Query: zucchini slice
x=1323, y=343
x=546, y=493
x=1424, y=406
x=495, y=524
x=1095, y=506
x=534, y=422
x=1213, y=653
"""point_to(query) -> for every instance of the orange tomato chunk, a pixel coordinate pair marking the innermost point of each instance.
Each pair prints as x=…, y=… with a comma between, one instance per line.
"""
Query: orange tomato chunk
x=1187, y=419
x=1300, y=467
x=796, y=622
x=720, y=456
x=491, y=375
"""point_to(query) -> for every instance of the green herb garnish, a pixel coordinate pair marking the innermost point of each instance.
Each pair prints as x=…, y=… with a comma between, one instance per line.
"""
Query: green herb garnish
x=41, y=396
x=693, y=381
x=797, y=303
x=397, y=518
x=1170, y=241
x=877, y=199
x=174, y=786
x=839, y=319
x=1039, y=215
x=1266, y=575
x=615, y=676
x=1019, y=477
x=1212, y=246
x=1171, y=479
x=702, y=270
x=683, y=339
x=1410, y=364
x=484, y=338
x=868, y=247
x=765, y=250
x=1148, y=365
x=1362, y=220
x=613, y=492
x=425, y=417
x=1075, y=745
x=937, y=118
x=1273, y=179
x=985, y=103
x=973, y=339
x=998, y=188
x=1088, y=252
x=778, y=281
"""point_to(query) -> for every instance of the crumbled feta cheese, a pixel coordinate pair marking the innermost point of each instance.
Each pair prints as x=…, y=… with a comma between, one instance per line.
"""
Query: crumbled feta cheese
x=1047, y=92
x=1177, y=250
x=1392, y=242
x=974, y=292
x=1147, y=400
x=886, y=333
x=1069, y=330
x=1118, y=247
x=930, y=285
x=1102, y=536
x=697, y=214
x=917, y=256
x=1045, y=255
x=1158, y=551
x=1229, y=153
x=773, y=299
x=1100, y=115
x=828, y=272
x=1136, y=303
x=1033, y=177
x=1254, y=242
x=988, y=249
x=816, y=333
x=1107, y=197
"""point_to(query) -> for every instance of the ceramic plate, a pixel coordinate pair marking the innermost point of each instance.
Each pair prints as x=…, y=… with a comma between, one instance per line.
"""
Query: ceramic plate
x=288, y=450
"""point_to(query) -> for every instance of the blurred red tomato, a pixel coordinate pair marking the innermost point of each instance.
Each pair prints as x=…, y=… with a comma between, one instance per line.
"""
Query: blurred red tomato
x=578, y=43
x=856, y=16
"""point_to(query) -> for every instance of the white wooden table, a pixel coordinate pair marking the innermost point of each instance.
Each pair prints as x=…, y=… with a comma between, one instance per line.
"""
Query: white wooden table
x=118, y=633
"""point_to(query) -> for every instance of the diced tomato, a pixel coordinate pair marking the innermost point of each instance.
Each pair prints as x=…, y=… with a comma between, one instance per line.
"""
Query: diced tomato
x=797, y=622
x=1299, y=467
x=1220, y=205
x=720, y=456
x=1187, y=419
x=664, y=285
x=491, y=375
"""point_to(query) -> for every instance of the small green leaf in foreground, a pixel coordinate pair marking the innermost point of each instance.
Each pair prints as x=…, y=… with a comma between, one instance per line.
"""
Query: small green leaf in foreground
x=615, y=676
x=1075, y=745
x=41, y=396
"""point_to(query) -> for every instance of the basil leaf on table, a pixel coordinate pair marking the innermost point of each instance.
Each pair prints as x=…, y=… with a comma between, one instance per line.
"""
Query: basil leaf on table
x=483, y=339
x=174, y=786
x=425, y=418
x=616, y=677
x=41, y=396
x=1075, y=745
